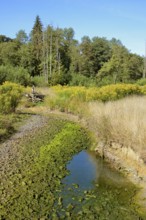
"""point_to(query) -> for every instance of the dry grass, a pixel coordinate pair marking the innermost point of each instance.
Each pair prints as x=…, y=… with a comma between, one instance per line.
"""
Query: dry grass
x=123, y=122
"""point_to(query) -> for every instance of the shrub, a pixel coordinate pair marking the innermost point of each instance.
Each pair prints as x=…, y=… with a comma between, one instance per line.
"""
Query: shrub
x=141, y=82
x=81, y=80
x=3, y=74
x=6, y=126
x=71, y=98
x=10, y=94
x=143, y=89
x=38, y=81
x=117, y=91
x=14, y=74
x=19, y=75
x=107, y=80
x=63, y=78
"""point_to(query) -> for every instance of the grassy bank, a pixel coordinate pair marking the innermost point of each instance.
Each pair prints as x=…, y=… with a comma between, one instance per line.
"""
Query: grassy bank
x=122, y=122
x=116, y=113
x=9, y=124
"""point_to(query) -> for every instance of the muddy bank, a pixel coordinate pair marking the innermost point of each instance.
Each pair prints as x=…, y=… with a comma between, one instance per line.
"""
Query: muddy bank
x=128, y=163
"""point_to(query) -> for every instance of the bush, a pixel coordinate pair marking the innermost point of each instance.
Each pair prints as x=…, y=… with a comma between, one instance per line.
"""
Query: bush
x=81, y=80
x=6, y=126
x=14, y=74
x=117, y=91
x=141, y=82
x=10, y=94
x=70, y=99
x=107, y=80
x=61, y=78
x=38, y=81
x=3, y=74
x=19, y=75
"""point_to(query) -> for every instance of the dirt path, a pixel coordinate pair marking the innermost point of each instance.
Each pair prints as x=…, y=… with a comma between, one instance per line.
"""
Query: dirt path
x=10, y=148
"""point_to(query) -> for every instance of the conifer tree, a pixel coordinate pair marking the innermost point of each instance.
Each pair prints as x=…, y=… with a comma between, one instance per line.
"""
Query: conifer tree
x=37, y=46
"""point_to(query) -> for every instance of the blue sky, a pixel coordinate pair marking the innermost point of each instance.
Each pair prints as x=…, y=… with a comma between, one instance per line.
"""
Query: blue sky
x=122, y=19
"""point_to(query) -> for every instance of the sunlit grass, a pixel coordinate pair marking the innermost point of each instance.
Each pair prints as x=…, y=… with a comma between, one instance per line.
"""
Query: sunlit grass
x=122, y=121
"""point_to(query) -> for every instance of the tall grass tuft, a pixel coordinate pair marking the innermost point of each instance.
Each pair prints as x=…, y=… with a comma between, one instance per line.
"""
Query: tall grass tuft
x=122, y=121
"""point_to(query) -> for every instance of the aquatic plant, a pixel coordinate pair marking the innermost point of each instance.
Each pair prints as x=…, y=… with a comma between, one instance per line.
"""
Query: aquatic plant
x=30, y=183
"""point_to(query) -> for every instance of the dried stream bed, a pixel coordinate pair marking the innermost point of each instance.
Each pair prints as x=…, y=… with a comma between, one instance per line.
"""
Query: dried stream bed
x=33, y=168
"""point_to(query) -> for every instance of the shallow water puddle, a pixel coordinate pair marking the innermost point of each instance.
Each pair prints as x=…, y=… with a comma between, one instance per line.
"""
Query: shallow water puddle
x=87, y=170
x=92, y=184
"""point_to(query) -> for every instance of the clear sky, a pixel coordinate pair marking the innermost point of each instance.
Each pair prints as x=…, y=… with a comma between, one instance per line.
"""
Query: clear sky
x=122, y=19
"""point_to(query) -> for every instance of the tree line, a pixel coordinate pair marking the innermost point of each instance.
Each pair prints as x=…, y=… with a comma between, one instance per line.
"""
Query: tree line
x=53, y=56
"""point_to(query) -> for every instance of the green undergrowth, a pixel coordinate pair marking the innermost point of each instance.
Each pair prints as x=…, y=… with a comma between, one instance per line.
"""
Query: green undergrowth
x=73, y=98
x=10, y=95
x=9, y=124
x=30, y=182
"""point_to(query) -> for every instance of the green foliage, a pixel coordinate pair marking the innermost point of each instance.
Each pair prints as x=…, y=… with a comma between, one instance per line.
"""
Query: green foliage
x=14, y=74
x=9, y=124
x=53, y=52
x=94, y=53
x=81, y=80
x=72, y=99
x=143, y=89
x=116, y=66
x=9, y=53
x=135, y=67
x=10, y=94
x=117, y=91
x=101, y=53
x=36, y=46
x=3, y=73
x=19, y=75
x=104, y=81
x=37, y=81
x=21, y=36
x=61, y=78
x=121, y=67
x=6, y=126
x=3, y=39
x=141, y=82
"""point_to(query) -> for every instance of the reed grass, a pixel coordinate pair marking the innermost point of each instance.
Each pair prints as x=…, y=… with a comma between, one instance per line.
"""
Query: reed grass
x=122, y=121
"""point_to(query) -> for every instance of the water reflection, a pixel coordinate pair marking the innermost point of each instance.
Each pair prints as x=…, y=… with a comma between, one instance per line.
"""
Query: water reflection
x=103, y=172
x=93, y=184
x=82, y=171
x=86, y=169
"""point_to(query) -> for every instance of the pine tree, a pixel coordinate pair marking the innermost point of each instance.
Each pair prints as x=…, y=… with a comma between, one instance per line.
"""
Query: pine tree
x=37, y=46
